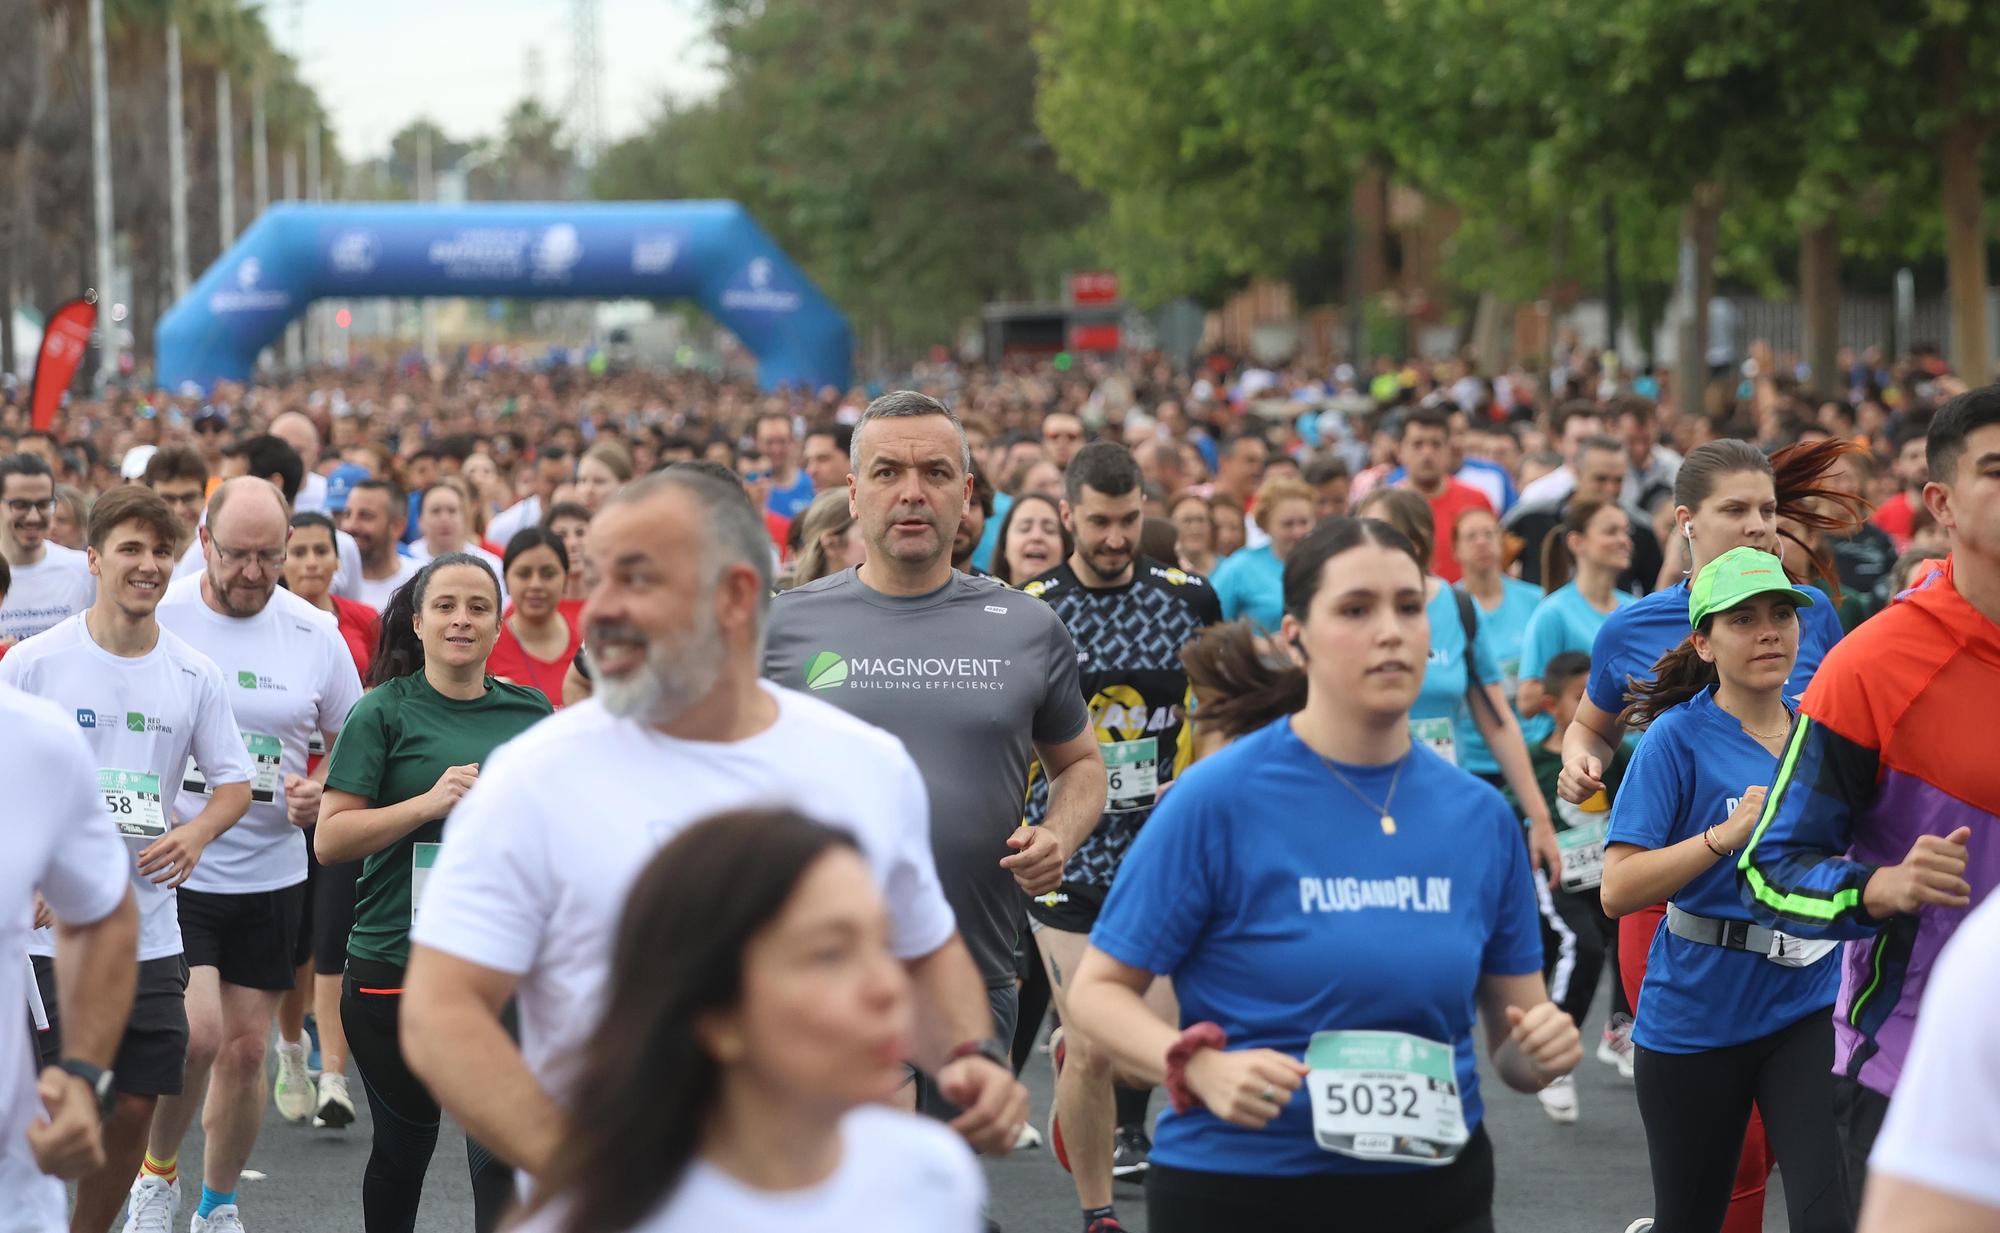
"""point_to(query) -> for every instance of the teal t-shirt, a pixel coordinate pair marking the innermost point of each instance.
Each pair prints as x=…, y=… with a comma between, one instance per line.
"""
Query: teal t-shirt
x=398, y=739
x=1501, y=629
x=1251, y=582
x=1441, y=705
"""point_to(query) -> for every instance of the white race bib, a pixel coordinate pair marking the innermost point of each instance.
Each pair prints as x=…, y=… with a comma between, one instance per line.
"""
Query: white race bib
x=266, y=756
x=133, y=801
x=1440, y=734
x=1583, y=854
x=1131, y=773
x=1386, y=1096
x=422, y=857
x=1792, y=952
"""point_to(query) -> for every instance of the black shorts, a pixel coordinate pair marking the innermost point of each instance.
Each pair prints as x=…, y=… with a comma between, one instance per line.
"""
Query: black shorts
x=247, y=939
x=153, y=1051
x=1071, y=907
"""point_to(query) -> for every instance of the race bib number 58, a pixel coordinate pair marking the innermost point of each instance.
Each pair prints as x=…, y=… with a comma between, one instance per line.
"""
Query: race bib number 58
x=1386, y=1096
x=133, y=801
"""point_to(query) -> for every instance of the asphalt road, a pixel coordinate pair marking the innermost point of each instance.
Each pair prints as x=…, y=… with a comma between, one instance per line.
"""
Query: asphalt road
x=1589, y=1177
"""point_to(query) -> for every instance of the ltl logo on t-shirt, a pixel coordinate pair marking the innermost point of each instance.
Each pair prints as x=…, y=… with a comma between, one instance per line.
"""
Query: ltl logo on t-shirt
x=85, y=717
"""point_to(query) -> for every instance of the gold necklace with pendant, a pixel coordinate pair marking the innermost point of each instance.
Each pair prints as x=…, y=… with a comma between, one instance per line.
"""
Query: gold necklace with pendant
x=1388, y=821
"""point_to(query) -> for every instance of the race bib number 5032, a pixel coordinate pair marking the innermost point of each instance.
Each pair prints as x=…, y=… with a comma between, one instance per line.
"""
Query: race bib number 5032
x=1386, y=1096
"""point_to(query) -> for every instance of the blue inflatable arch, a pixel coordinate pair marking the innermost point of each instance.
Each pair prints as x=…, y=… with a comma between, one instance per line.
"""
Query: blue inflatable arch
x=706, y=251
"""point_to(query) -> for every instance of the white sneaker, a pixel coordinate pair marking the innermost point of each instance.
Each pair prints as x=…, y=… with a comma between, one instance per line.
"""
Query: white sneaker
x=336, y=1107
x=1643, y=1224
x=1559, y=1100
x=152, y=1205
x=1027, y=1138
x=222, y=1220
x=1614, y=1048
x=292, y=1090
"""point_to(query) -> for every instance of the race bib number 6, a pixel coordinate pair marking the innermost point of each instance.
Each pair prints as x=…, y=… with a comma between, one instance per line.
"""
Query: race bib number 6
x=133, y=801
x=1386, y=1096
x=1131, y=773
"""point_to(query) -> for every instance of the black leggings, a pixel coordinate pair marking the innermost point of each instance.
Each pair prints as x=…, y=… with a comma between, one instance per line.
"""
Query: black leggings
x=1696, y=1105
x=405, y=1116
x=1454, y=1198
x=1579, y=942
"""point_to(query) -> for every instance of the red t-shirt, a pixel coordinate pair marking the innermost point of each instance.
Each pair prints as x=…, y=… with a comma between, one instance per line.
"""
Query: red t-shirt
x=510, y=661
x=780, y=529
x=1896, y=516
x=1445, y=509
x=360, y=627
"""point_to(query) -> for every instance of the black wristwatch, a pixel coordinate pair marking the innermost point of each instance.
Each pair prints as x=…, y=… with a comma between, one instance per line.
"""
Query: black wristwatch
x=98, y=1079
x=992, y=1050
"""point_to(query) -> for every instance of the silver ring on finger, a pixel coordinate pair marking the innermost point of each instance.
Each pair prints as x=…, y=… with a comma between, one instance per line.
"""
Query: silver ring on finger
x=1270, y=1096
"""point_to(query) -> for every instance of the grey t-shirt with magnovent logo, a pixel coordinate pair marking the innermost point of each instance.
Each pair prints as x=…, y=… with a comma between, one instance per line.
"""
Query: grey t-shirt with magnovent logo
x=970, y=676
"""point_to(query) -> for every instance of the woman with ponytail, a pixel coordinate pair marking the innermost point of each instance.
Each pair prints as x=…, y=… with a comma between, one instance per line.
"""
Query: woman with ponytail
x=1730, y=1014
x=409, y=751
x=1728, y=494
x=1581, y=561
x=1329, y=798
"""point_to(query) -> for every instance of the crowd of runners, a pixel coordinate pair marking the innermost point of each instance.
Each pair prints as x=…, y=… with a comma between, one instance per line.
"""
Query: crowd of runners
x=709, y=798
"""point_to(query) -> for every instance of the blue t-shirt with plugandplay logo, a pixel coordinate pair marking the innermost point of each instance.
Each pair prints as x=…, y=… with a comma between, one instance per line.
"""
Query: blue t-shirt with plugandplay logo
x=1271, y=895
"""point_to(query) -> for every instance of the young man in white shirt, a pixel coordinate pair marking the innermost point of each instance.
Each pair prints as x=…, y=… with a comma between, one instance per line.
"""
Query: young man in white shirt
x=50, y=582
x=179, y=475
x=145, y=701
x=65, y=858
x=529, y=887
x=242, y=913
x=377, y=512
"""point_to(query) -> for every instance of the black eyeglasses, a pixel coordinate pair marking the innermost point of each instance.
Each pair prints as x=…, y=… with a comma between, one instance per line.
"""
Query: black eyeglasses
x=17, y=506
x=210, y=426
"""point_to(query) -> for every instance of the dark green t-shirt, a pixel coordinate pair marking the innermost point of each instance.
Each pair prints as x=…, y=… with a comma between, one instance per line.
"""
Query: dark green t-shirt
x=398, y=739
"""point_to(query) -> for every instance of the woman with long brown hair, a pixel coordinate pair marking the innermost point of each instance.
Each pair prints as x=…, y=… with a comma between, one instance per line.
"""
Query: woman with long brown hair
x=755, y=1032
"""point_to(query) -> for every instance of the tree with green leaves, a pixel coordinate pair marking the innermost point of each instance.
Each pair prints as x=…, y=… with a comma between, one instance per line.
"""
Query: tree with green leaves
x=889, y=145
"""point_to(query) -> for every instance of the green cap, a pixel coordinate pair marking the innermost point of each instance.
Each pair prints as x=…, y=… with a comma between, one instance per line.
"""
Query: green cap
x=1739, y=574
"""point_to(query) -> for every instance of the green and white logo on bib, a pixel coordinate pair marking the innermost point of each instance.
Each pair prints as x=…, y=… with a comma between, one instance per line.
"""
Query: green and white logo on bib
x=826, y=670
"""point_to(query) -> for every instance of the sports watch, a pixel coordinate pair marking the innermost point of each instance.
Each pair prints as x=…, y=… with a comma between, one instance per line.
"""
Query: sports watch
x=99, y=1080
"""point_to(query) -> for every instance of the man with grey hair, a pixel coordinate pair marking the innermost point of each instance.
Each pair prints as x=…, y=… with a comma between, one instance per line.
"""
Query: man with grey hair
x=978, y=681
x=528, y=889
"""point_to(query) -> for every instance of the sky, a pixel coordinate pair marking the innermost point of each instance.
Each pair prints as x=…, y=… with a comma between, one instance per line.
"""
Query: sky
x=379, y=64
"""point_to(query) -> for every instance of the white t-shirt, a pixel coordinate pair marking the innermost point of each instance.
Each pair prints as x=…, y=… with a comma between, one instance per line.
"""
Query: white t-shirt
x=1550, y=488
x=312, y=494
x=288, y=675
x=347, y=572
x=1943, y=1127
x=513, y=520
x=898, y=1173
x=141, y=717
x=60, y=841
x=45, y=593
x=192, y=561
x=540, y=855
x=375, y=592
